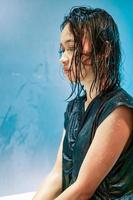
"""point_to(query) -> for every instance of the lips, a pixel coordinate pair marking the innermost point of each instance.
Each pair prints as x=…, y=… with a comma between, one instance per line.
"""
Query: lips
x=67, y=69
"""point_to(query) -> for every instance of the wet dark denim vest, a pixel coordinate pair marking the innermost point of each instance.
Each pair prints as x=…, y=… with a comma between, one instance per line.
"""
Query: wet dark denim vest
x=79, y=125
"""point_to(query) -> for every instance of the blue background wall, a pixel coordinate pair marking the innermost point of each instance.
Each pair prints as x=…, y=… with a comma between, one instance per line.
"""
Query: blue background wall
x=33, y=88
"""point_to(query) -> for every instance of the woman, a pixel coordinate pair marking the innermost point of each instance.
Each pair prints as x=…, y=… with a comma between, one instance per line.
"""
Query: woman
x=95, y=155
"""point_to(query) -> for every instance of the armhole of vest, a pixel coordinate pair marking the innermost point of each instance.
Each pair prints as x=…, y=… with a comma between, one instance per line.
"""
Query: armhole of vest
x=111, y=107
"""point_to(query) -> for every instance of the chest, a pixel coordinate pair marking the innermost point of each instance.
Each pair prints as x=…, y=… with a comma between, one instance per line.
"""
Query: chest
x=79, y=128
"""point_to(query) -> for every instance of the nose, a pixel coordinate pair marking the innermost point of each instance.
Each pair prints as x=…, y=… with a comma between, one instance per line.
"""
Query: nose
x=64, y=60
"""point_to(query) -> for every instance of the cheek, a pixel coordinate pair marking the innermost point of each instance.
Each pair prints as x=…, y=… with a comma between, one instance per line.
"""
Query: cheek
x=84, y=71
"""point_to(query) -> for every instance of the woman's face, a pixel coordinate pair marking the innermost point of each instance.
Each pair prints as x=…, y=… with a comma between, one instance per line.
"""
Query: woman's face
x=67, y=51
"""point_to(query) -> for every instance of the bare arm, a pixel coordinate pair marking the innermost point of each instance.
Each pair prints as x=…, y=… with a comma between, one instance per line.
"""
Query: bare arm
x=52, y=184
x=109, y=141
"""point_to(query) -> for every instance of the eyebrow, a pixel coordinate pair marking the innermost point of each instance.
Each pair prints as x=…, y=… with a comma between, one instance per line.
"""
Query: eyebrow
x=67, y=41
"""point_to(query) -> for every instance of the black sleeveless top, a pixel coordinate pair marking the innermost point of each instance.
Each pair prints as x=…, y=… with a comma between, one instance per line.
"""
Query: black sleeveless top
x=80, y=128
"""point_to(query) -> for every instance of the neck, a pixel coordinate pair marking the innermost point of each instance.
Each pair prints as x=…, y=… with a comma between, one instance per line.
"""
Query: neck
x=87, y=87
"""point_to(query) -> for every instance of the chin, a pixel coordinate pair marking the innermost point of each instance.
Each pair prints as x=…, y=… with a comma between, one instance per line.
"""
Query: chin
x=72, y=78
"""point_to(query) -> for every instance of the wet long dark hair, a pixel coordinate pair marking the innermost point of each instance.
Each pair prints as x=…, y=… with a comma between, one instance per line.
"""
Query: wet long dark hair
x=101, y=30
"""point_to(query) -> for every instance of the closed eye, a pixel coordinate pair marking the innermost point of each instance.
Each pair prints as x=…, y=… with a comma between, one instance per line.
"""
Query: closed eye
x=62, y=50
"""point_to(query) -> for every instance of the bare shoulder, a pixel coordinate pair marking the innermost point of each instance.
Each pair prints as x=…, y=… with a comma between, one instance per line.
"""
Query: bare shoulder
x=121, y=116
x=120, y=110
x=118, y=124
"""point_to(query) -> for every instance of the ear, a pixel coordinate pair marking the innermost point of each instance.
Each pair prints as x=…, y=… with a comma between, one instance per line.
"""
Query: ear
x=85, y=59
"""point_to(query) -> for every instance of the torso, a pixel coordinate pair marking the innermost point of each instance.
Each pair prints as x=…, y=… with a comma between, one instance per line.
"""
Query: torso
x=76, y=144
